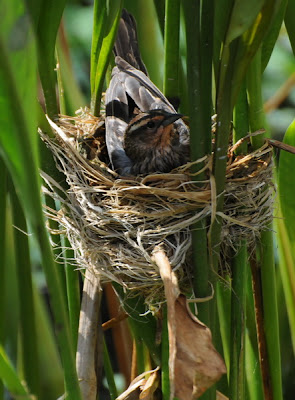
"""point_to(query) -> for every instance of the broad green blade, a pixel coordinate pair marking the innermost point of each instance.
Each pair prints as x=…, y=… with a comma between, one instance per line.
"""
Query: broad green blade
x=18, y=88
x=289, y=22
x=46, y=16
x=243, y=15
x=272, y=35
x=99, y=22
x=18, y=145
x=171, y=56
x=287, y=184
x=27, y=320
x=10, y=378
x=104, y=33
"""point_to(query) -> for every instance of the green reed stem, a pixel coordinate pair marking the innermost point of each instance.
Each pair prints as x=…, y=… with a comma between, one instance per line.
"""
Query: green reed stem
x=238, y=328
x=171, y=48
x=265, y=245
x=109, y=372
x=26, y=304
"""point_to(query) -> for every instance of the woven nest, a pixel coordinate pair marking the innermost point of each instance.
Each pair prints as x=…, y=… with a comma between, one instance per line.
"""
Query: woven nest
x=114, y=223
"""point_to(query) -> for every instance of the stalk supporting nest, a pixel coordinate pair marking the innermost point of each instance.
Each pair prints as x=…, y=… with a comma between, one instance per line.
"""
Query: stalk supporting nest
x=114, y=223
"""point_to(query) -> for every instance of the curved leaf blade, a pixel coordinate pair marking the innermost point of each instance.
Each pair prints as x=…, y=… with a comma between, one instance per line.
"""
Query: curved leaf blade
x=287, y=184
x=10, y=378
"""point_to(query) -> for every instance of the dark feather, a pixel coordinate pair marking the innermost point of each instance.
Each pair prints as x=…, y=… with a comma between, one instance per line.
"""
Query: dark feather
x=130, y=88
x=126, y=45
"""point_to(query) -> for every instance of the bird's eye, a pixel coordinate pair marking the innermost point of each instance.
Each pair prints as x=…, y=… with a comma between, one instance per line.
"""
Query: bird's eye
x=151, y=124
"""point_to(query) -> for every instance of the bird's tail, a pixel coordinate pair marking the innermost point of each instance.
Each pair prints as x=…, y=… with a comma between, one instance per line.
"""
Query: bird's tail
x=126, y=44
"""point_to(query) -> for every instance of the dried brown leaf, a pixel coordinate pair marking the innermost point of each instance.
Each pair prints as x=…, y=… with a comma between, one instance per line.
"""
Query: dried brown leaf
x=140, y=387
x=194, y=364
x=150, y=387
x=198, y=365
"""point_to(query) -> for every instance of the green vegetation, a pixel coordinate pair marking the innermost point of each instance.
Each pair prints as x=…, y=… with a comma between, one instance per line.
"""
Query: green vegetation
x=221, y=57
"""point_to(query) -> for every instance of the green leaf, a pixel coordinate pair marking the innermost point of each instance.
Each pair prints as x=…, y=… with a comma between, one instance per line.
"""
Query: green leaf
x=51, y=379
x=69, y=91
x=272, y=35
x=99, y=18
x=243, y=15
x=104, y=33
x=171, y=56
x=49, y=20
x=19, y=148
x=248, y=44
x=222, y=12
x=46, y=16
x=27, y=320
x=109, y=372
x=287, y=184
x=3, y=212
x=287, y=271
x=10, y=378
x=18, y=88
x=289, y=22
x=143, y=324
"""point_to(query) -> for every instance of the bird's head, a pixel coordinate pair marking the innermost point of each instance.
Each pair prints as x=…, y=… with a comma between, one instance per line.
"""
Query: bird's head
x=149, y=130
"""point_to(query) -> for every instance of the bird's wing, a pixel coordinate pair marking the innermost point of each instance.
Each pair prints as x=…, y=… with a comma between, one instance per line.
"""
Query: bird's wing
x=117, y=114
x=126, y=44
x=145, y=94
x=129, y=81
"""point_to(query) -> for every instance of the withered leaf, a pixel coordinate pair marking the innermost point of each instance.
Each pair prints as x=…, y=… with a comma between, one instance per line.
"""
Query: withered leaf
x=194, y=364
x=142, y=388
x=197, y=363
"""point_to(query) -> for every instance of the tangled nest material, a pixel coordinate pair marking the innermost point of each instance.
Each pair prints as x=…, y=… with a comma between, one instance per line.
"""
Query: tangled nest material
x=114, y=223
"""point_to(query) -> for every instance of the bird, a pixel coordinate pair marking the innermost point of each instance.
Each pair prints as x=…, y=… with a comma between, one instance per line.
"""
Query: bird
x=144, y=132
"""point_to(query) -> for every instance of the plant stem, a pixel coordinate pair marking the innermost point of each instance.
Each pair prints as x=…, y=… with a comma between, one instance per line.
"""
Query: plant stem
x=171, y=48
x=99, y=19
x=143, y=327
x=241, y=125
x=287, y=271
x=256, y=113
x=252, y=372
x=270, y=308
x=73, y=293
x=265, y=247
x=192, y=20
x=238, y=313
x=89, y=349
x=198, y=139
x=56, y=241
x=99, y=63
x=206, y=48
x=27, y=314
x=160, y=10
x=10, y=378
x=109, y=372
x=3, y=212
x=165, y=357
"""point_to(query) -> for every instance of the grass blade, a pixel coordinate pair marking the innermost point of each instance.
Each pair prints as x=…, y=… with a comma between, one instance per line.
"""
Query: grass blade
x=238, y=317
x=171, y=48
x=289, y=22
x=46, y=23
x=104, y=33
x=265, y=247
x=10, y=378
x=287, y=271
x=109, y=372
x=27, y=315
x=18, y=139
x=73, y=292
x=287, y=185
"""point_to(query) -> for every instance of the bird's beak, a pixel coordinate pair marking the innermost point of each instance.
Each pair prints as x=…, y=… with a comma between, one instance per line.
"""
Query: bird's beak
x=170, y=118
